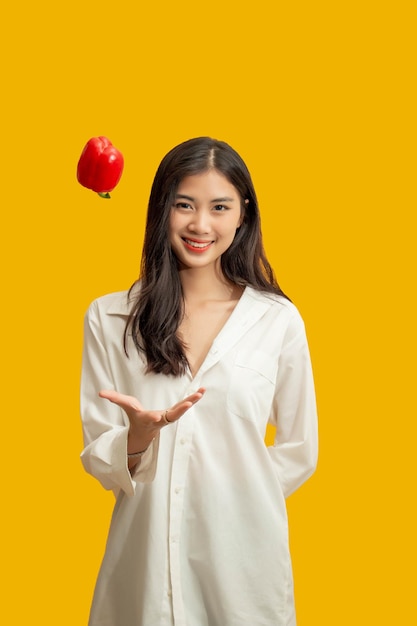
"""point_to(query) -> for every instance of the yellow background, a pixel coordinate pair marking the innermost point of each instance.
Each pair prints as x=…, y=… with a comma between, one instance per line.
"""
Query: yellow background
x=318, y=98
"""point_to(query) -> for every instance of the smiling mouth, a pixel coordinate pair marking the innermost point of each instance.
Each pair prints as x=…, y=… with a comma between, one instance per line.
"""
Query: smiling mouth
x=198, y=246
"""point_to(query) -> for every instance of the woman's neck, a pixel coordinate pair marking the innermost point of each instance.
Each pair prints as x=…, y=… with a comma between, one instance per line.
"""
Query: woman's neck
x=199, y=284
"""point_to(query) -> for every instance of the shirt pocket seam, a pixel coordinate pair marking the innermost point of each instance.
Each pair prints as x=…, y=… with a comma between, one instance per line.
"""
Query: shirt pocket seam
x=256, y=363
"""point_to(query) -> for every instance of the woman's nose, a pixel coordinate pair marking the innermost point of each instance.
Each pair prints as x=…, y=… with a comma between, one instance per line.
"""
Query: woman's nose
x=200, y=222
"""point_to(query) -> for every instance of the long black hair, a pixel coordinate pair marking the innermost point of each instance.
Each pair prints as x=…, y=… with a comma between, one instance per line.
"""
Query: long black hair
x=159, y=306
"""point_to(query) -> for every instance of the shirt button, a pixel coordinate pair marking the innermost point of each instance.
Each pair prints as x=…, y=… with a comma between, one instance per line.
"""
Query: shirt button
x=177, y=489
x=182, y=441
x=214, y=351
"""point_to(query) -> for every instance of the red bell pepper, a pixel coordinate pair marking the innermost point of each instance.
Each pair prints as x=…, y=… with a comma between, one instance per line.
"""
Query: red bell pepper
x=100, y=166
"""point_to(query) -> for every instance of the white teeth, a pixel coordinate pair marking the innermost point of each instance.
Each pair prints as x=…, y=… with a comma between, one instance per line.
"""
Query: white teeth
x=194, y=244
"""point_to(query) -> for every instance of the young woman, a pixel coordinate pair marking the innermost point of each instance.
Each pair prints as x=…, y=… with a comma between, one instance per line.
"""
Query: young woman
x=181, y=376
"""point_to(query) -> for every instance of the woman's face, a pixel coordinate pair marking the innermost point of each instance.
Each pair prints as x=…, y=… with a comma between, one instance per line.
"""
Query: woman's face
x=204, y=218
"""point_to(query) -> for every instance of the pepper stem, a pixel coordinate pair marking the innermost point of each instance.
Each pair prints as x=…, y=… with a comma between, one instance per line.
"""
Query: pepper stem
x=104, y=194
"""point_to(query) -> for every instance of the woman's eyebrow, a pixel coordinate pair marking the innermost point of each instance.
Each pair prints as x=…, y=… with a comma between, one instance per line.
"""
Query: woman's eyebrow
x=183, y=196
x=225, y=199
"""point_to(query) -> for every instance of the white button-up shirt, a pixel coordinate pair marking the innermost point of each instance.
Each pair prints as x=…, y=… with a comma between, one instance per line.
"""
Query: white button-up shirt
x=199, y=532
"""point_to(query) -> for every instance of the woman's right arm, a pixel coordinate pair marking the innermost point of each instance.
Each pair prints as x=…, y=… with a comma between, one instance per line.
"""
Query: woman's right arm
x=105, y=425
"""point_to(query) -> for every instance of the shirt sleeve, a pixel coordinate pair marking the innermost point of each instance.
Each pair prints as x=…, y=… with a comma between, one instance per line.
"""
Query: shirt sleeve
x=294, y=413
x=105, y=425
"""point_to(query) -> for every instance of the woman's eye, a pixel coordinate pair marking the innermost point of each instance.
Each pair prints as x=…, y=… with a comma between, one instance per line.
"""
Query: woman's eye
x=220, y=207
x=182, y=205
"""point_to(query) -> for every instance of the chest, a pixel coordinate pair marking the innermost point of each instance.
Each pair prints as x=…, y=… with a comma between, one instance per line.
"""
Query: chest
x=200, y=327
